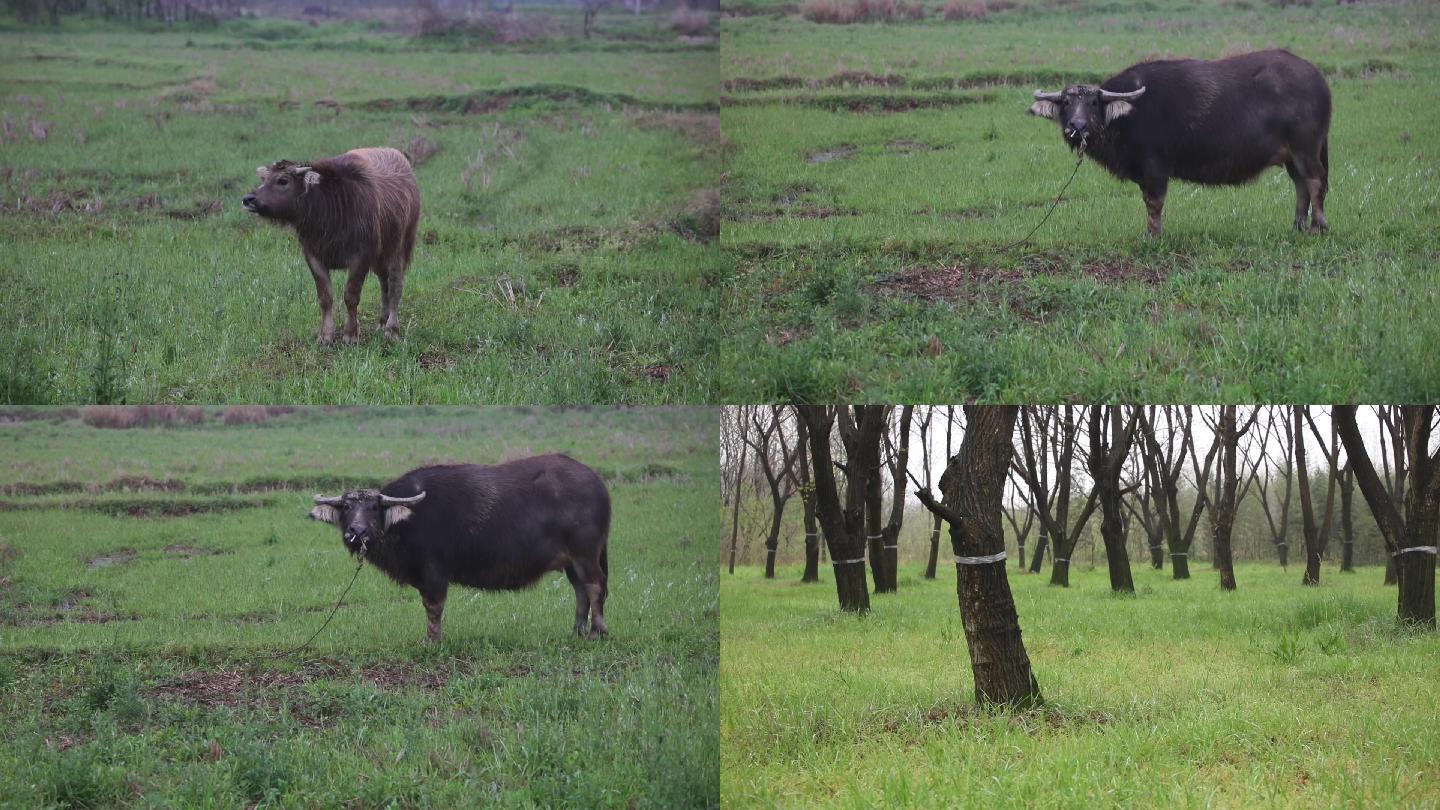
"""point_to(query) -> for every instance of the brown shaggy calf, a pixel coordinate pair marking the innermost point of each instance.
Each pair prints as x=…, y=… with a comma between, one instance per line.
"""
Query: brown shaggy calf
x=357, y=211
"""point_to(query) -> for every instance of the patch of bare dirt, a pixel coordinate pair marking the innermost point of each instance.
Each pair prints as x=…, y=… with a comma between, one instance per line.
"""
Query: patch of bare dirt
x=188, y=551
x=256, y=688
x=844, y=151
x=141, y=483
x=659, y=372
x=970, y=279
x=120, y=557
x=907, y=146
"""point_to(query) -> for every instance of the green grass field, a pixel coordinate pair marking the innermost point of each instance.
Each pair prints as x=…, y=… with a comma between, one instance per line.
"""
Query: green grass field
x=877, y=169
x=148, y=577
x=566, y=243
x=1182, y=696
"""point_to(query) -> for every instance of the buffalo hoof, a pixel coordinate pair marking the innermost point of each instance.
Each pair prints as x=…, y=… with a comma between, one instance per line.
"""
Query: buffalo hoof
x=1316, y=230
x=324, y=340
x=392, y=335
x=597, y=633
x=351, y=340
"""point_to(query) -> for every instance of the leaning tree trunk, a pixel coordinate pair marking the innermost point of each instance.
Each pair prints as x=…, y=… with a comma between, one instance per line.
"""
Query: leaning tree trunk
x=973, y=507
x=844, y=526
x=1347, y=524
x=772, y=543
x=934, y=550
x=1112, y=532
x=1037, y=561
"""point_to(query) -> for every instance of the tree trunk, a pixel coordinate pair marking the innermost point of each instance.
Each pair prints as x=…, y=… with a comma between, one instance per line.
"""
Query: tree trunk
x=973, y=505
x=1307, y=506
x=934, y=550
x=1347, y=524
x=807, y=502
x=772, y=543
x=1109, y=445
x=1039, y=559
x=1060, y=572
x=844, y=526
x=1415, y=570
x=1180, y=564
x=739, y=478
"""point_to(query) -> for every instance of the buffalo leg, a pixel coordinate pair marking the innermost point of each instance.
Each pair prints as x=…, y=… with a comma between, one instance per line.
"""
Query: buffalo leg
x=582, y=599
x=1153, y=190
x=596, y=589
x=327, y=299
x=434, y=599
x=390, y=317
x=1314, y=171
x=384, y=277
x=353, y=287
x=1302, y=194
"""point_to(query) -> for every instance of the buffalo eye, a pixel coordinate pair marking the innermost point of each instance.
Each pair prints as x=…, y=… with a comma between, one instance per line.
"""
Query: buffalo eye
x=282, y=182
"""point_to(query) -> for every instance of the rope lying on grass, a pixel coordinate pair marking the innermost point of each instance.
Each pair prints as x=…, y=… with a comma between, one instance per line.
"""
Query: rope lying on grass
x=338, y=603
x=1079, y=158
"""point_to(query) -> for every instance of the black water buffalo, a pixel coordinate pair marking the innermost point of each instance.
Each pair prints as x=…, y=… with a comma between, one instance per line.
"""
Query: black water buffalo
x=1217, y=123
x=357, y=212
x=493, y=527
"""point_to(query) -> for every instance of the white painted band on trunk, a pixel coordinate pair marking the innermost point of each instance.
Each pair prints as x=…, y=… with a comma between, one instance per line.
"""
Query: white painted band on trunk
x=874, y=536
x=897, y=545
x=1421, y=549
x=988, y=558
x=1157, y=547
x=1179, y=554
x=1282, y=543
x=1058, y=559
x=847, y=562
x=812, y=534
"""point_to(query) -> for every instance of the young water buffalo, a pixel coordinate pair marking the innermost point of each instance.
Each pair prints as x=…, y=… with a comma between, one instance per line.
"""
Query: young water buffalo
x=499, y=527
x=1217, y=123
x=359, y=212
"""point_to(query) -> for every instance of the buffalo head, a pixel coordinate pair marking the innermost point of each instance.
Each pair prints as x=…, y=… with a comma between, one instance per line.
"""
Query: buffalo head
x=281, y=185
x=363, y=515
x=1083, y=110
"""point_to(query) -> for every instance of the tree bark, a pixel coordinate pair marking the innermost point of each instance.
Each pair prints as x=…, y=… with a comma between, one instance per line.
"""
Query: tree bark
x=1037, y=561
x=974, y=488
x=807, y=501
x=1228, y=433
x=1307, y=507
x=1109, y=446
x=1411, y=536
x=844, y=526
x=1347, y=522
x=898, y=472
x=739, y=478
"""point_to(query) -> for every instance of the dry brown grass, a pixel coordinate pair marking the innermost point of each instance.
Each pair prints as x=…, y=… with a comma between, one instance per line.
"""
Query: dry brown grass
x=838, y=12
x=121, y=417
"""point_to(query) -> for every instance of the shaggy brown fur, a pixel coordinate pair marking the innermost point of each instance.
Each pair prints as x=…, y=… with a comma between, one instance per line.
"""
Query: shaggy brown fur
x=358, y=212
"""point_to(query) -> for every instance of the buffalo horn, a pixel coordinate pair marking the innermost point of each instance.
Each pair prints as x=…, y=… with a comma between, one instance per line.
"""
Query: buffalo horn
x=387, y=500
x=324, y=501
x=1130, y=96
x=1041, y=95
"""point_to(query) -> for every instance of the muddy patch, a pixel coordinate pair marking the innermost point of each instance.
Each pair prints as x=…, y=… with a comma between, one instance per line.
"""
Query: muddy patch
x=187, y=551
x=955, y=281
x=121, y=557
x=844, y=151
x=907, y=146
x=270, y=690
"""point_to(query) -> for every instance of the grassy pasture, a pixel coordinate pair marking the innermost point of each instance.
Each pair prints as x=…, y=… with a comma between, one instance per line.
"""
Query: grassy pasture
x=877, y=169
x=566, y=242
x=136, y=647
x=1182, y=696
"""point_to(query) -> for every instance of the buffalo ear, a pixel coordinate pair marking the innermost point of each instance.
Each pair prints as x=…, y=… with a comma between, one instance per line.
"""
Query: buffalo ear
x=1117, y=109
x=263, y=172
x=311, y=178
x=325, y=514
x=396, y=514
x=1045, y=109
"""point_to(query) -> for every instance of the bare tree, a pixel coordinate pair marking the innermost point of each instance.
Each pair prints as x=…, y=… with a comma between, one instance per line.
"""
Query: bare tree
x=899, y=457
x=1279, y=464
x=869, y=463
x=1165, y=466
x=935, y=528
x=844, y=522
x=1316, y=537
x=768, y=436
x=807, y=500
x=973, y=488
x=1052, y=507
x=1410, y=531
x=1347, y=521
x=1019, y=529
x=740, y=428
x=1228, y=432
x=1110, y=437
